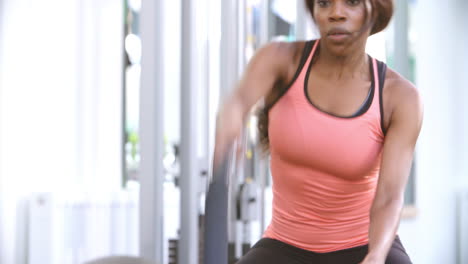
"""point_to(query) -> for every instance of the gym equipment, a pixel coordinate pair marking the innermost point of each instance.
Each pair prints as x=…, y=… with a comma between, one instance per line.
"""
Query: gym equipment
x=216, y=215
x=120, y=260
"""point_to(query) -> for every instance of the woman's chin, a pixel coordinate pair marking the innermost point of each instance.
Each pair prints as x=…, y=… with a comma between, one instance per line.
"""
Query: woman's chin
x=339, y=51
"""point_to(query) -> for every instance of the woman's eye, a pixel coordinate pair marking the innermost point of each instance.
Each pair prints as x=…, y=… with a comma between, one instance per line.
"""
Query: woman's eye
x=323, y=3
x=354, y=2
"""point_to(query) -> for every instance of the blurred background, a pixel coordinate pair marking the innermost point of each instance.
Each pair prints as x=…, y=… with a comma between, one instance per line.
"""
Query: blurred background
x=107, y=113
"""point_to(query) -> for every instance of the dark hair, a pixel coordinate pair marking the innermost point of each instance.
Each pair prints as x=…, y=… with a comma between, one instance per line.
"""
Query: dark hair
x=382, y=12
x=262, y=114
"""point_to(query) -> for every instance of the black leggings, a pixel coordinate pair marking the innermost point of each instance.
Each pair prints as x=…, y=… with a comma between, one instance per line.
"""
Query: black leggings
x=275, y=252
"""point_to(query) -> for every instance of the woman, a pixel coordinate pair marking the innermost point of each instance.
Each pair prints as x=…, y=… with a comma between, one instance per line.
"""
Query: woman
x=341, y=130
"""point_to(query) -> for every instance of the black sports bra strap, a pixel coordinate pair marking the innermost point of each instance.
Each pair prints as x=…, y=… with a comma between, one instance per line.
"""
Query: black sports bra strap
x=283, y=89
x=382, y=69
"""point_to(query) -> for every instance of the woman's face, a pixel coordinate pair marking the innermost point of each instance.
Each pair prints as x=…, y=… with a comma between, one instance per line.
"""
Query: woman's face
x=342, y=23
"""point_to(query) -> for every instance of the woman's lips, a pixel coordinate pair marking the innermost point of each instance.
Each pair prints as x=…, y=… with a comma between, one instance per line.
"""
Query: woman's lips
x=338, y=37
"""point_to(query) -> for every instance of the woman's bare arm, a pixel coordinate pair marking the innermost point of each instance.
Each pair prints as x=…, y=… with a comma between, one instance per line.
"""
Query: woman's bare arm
x=268, y=66
x=400, y=140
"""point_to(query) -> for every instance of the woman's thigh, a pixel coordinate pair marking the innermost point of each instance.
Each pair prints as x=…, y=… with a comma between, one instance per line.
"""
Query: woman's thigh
x=270, y=251
x=397, y=254
x=262, y=256
x=276, y=252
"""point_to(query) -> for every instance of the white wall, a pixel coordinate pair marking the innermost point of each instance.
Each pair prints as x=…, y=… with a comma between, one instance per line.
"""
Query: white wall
x=99, y=93
x=60, y=104
x=1, y=125
x=431, y=236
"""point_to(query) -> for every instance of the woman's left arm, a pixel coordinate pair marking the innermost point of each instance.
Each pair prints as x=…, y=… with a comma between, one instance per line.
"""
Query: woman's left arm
x=400, y=140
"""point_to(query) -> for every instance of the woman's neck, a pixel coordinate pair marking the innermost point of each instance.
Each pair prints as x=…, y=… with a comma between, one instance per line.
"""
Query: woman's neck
x=352, y=65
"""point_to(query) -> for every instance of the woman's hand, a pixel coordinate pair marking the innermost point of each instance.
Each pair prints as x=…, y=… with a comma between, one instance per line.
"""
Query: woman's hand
x=228, y=128
x=373, y=260
x=270, y=64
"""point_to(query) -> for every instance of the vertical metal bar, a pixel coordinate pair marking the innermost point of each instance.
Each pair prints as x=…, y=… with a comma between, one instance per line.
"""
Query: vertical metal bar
x=204, y=95
x=262, y=180
x=462, y=230
x=214, y=72
x=401, y=38
x=192, y=81
x=228, y=78
x=402, y=66
x=1, y=91
x=262, y=163
x=264, y=22
x=124, y=99
x=241, y=35
x=151, y=131
x=2, y=191
x=462, y=7
x=301, y=20
x=240, y=172
x=229, y=47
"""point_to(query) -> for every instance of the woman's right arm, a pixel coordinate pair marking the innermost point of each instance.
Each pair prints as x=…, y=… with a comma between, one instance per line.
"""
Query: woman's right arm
x=267, y=67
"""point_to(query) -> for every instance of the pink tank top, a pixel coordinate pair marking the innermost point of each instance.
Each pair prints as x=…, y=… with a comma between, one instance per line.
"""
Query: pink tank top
x=324, y=168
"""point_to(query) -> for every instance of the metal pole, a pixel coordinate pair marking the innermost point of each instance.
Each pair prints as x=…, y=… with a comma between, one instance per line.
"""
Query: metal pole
x=402, y=65
x=151, y=131
x=262, y=162
x=401, y=38
x=264, y=22
x=462, y=7
x=229, y=47
x=301, y=20
x=229, y=73
x=193, y=89
x=241, y=35
x=2, y=191
x=239, y=175
x=123, y=158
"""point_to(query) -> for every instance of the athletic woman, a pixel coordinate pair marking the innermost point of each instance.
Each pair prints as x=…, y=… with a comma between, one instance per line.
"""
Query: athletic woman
x=341, y=129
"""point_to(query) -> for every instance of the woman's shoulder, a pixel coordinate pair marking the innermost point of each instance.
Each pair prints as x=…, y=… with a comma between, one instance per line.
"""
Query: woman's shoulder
x=401, y=93
x=399, y=88
x=282, y=55
x=282, y=50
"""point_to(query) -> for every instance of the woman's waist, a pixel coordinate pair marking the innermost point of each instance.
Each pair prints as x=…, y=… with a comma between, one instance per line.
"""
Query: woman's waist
x=306, y=204
x=319, y=235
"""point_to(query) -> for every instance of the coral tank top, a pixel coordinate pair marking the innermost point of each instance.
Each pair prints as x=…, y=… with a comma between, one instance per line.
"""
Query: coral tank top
x=324, y=167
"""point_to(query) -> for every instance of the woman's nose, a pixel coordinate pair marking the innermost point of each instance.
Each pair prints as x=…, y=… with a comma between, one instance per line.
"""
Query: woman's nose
x=337, y=12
